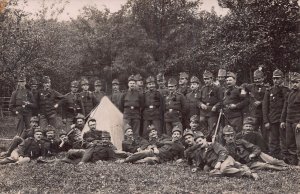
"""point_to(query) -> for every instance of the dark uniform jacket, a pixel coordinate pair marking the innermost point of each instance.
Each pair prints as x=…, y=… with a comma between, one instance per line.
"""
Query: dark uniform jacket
x=46, y=101
x=71, y=105
x=131, y=145
x=273, y=103
x=99, y=96
x=53, y=146
x=153, y=102
x=175, y=107
x=184, y=90
x=100, y=151
x=254, y=138
x=18, y=99
x=88, y=102
x=75, y=138
x=193, y=99
x=116, y=98
x=291, y=109
x=211, y=95
x=32, y=148
x=170, y=150
x=35, y=93
x=91, y=136
x=232, y=95
x=132, y=104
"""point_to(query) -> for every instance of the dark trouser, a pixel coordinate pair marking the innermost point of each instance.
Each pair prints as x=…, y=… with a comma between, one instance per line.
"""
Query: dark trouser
x=50, y=120
x=293, y=143
x=265, y=132
x=277, y=146
x=171, y=125
x=236, y=123
x=139, y=155
x=23, y=123
x=135, y=124
x=157, y=125
x=211, y=122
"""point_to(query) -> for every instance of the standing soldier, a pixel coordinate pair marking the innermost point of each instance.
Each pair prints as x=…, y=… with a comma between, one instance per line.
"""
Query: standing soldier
x=153, y=107
x=132, y=105
x=272, y=108
x=183, y=83
x=99, y=94
x=234, y=103
x=161, y=82
x=34, y=89
x=210, y=100
x=290, y=121
x=48, y=102
x=21, y=104
x=88, y=99
x=175, y=107
x=116, y=94
x=221, y=78
x=139, y=83
x=71, y=104
x=193, y=99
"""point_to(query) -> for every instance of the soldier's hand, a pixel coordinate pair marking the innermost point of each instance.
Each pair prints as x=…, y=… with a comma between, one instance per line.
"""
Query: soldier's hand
x=267, y=125
x=257, y=103
x=203, y=106
x=155, y=150
x=251, y=156
x=282, y=125
x=72, y=126
x=214, y=109
x=56, y=106
x=232, y=106
x=218, y=165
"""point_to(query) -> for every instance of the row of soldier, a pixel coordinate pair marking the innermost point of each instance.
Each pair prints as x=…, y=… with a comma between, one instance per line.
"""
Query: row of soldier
x=276, y=115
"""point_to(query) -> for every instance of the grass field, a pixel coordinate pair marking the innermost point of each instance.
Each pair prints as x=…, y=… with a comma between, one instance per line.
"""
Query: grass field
x=127, y=178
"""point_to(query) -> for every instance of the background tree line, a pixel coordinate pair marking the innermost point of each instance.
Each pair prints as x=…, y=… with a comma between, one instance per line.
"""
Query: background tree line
x=148, y=37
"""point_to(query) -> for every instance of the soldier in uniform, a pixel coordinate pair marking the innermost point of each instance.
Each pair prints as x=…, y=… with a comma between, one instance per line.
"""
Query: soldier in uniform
x=221, y=78
x=116, y=93
x=132, y=105
x=48, y=102
x=21, y=104
x=272, y=108
x=161, y=82
x=234, y=103
x=139, y=83
x=88, y=99
x=290, y=121
x=183, y=83
x=210, y=100
x=193, y=99
x=71, y=105
x=153, y=107
x=75, y=134
x=99, y=94
x=132, y=143
x=35, y=91
x=175, y=107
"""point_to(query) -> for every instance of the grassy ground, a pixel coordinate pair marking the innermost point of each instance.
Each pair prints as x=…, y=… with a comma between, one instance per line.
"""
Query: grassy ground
x=127, y=178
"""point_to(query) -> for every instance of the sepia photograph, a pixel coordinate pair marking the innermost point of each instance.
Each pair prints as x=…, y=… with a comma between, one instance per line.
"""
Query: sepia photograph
x=149, y=96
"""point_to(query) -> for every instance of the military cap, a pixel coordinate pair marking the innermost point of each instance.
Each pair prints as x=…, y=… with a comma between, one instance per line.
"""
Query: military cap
x=84, y=81
x=46, y=80
x=221, y=73
x=172, y=82
x=277, y=73
x=207, y=74
x=126, y=127
x=258, y=74
x=49, y=128
x=150, y=79
x=295, y=76
x=138, y=77
x=248, y=120
x=79, y=116
x=131, y=78
x=33, y=82
x=194, y=119
x=151, y=127
x=188, y=132
x=160, y=77
x=97, y=83
x=115, y=82
x=38, y=129
x=183, y=75
x=34, y=119
x=61, y=133
x=198, y=134
x=231, y=74
x=176, y=128
x=75, y=84
x=194, y=79
x=228, y=129
x=106, y=134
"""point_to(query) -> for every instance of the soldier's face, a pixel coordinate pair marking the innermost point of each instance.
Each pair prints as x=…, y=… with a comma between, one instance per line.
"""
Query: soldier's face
x=201, y=141
x=47, y=86
x=296, y=84
x=189, y=140
x=92, y=125
x=229, y=138
x=183, y=81
x=151, y=86
x=34, y=124
x=115, y=87
x=247, y=127
x=230, y=81
x=171, y=88
x=221, y=78
x=140, y=83
x=98, y=88
x=105, y=140
x=132, y=85
x=277, y=81
x=161, y=83
x=176, y=136
x=208, y=80
x=38, y=135
x=153, y=134
x=129, y=133
x=80, y=123
x=50, y=135
x=194, y=125
x=22, y=83
x=194, y=86
x=258, y=81
x=74, y=89
x=85, y=87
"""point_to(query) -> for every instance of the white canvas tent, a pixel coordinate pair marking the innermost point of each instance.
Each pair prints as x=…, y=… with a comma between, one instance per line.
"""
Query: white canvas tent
x=110, y=119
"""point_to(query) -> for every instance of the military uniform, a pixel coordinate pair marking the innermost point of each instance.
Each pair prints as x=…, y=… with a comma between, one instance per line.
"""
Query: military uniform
x=175, y=108
x=133, y=143
x=88, y=99
x=183, y=88
x=291, y=116
x=116, y=95
x=35, y=93
x=153, y=108
x=33, y=149
x=98, y=94
x=193, y=99
x=272, y=108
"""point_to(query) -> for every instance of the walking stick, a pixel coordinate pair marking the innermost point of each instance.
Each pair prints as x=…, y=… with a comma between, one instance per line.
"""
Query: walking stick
x=218, y=124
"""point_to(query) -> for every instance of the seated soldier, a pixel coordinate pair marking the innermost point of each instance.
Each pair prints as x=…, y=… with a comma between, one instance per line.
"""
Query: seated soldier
x=64, y=144
x=254, y=137
x=75, y=134
x=17, y=140
x=50, y=139
x=30, y=149
x=188, y=138
x=132, y=143
x=195, y=125
x=248, y=153
x=214, y=157
x=164, y=151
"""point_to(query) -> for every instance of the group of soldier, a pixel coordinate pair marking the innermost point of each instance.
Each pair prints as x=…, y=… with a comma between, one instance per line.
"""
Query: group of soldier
x=220, y=127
